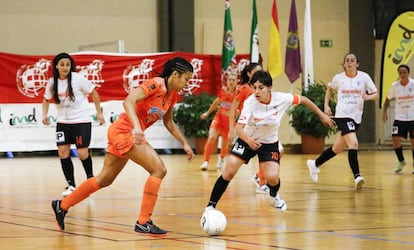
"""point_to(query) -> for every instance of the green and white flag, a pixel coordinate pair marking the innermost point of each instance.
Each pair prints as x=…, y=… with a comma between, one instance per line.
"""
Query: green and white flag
x=228, y=60
x=254, y=36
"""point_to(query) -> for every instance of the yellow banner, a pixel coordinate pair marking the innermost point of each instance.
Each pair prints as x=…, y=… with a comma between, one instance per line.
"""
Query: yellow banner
x=398, y=49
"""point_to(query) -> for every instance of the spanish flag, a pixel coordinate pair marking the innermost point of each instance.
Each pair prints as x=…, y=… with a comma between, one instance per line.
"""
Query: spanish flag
x=275, y=56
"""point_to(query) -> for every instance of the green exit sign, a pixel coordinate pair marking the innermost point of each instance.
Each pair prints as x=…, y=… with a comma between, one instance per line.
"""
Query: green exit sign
x=325, y=43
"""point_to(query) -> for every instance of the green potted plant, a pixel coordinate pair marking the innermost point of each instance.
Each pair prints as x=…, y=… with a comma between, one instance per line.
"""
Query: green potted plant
x=187, y=117
x=307, y=124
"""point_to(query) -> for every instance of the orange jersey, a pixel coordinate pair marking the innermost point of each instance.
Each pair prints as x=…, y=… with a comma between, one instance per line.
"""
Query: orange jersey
x=221, y=119
x=242, y=92
x=156, y=103
x=226, y=99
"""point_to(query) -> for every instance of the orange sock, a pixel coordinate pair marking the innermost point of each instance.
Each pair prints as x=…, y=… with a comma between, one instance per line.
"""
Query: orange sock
x=80, y=193
x=260, y=174
x=149, y=198
x=224, y=148
x=208, y=150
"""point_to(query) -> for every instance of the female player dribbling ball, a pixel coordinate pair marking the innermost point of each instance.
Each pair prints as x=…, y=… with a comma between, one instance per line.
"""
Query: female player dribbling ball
x=258, y=134
x=149, y=102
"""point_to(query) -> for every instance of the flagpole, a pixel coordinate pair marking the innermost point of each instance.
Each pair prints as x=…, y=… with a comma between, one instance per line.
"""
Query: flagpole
x=308, y=51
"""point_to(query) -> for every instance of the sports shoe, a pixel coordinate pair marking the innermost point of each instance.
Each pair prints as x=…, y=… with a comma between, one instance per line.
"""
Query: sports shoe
x=59, y=213
x=359, y=182
x=204, y=166
x=400, y=166
x=220, y=163
x=313, y=170
x=263, y=189
x=68, y=191
x=255, y=180
x=280, y=203
x=148, y=227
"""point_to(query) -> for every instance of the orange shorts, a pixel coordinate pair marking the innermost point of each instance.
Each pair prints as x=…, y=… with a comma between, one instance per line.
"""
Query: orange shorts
x=221, y=124
x=120, y=138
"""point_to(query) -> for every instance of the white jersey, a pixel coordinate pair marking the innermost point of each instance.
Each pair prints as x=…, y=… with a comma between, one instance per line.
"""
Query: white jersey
x=72, y=111
x=404, y=100
x=350, y=94
x=263, y=120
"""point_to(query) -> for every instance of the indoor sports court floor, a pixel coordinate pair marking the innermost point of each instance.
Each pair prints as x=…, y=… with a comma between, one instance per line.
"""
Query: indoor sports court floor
x=324, y=215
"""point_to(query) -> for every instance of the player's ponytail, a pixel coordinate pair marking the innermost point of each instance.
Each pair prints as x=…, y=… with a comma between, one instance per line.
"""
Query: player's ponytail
x=244, y=77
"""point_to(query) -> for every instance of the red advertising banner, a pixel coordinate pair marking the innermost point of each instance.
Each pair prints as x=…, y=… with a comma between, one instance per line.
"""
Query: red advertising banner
x=24, y=77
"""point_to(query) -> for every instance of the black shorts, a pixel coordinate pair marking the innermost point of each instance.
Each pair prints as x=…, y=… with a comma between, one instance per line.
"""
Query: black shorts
x=403, y=128
x=346, y=125
x=267, y=152
x=78, y=134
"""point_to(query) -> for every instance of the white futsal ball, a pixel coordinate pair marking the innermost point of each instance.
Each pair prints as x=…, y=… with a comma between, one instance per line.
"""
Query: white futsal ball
x=213, y=222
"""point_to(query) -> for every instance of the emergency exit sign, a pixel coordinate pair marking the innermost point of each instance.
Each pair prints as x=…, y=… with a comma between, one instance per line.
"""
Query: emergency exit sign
x=325, y=43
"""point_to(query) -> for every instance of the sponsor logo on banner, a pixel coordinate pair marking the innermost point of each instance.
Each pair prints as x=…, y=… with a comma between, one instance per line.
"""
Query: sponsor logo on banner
x=134, y=75
x=92, y=72
x=32, y=79
x=196, y=80
x=16, y=120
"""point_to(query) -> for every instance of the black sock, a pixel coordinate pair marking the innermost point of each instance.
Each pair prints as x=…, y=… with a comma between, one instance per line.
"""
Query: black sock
x=87, y=165
x=353, y=161
x=325, y=156
x=274, y=189
x=218, y=190
x=67, y=167
x=399, y=153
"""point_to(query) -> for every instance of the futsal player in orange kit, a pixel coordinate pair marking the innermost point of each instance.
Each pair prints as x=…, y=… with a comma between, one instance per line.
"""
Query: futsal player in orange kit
x=149, y=102
x=220, y=123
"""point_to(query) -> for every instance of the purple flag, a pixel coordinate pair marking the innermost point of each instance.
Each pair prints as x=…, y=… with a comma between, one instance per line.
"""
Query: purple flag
x=293, y=67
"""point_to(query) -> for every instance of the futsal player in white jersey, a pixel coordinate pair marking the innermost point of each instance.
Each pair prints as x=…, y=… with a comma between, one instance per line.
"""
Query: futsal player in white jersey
x=70, y=91
x=353, y=87
x=402, y=91
x=258, y=134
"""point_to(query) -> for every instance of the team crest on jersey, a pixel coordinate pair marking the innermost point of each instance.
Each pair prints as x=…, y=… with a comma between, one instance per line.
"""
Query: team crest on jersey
x=134, y=75
x=32, y=79
x=92, y=72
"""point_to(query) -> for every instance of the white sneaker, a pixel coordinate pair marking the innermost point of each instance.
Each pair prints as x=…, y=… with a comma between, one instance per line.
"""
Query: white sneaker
x=255, y=180
x=263, y=189
x=68, y=191
x=220, y=163
x=280, y=203
x=313, y=170
x=204, y=166
x=359, y=182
